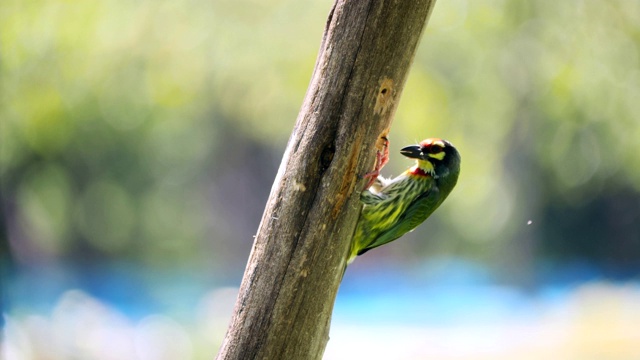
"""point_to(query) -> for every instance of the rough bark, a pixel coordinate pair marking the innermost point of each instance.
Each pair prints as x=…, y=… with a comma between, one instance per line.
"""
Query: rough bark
x=286, y=298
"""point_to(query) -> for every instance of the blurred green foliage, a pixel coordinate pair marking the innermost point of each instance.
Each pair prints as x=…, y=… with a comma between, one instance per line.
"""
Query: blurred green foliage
x=151, y=131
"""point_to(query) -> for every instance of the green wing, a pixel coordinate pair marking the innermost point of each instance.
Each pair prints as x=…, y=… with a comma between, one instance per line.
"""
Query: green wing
x=416, y=213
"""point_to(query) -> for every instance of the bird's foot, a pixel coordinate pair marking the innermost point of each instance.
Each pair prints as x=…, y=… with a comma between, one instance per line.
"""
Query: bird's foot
x=382, y=158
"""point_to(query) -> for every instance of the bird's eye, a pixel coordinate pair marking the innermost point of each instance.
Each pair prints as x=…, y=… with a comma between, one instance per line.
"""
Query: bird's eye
x=434, y=149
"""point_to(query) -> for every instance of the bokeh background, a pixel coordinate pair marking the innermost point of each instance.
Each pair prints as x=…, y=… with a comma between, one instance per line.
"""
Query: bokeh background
x=139, y=141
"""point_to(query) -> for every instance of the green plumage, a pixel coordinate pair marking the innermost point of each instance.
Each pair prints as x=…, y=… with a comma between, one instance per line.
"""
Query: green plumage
x=395, y=207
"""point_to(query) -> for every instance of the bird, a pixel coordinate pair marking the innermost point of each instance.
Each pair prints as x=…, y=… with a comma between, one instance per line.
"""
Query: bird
x=393, y=207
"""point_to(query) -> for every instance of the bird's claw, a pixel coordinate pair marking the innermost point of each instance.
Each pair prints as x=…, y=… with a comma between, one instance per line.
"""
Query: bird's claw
x=382, y=157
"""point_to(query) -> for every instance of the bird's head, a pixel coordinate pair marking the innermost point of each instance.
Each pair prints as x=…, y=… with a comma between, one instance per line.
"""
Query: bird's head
x=436, y=157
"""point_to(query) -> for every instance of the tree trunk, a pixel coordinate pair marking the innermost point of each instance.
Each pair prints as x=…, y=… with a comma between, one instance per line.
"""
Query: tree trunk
x=286, y=298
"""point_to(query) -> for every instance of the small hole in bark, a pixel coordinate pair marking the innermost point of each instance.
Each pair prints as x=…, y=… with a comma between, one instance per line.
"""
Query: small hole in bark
x=384, y=98
x=326, y=157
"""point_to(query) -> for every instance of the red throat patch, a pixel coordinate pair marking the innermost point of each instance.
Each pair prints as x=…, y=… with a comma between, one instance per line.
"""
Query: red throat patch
x=416, y=171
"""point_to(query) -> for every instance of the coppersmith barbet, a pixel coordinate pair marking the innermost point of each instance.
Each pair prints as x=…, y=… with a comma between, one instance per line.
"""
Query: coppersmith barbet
x=393, y=207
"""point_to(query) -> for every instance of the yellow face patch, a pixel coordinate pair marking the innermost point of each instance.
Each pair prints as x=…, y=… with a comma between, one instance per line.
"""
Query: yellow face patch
x=438, y=156
x=435, y=145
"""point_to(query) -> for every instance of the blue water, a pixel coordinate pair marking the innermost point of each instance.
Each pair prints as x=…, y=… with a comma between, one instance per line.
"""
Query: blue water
x=440, y=292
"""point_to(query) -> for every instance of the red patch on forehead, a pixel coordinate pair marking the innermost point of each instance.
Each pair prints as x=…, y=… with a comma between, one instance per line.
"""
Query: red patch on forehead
x=428, y=142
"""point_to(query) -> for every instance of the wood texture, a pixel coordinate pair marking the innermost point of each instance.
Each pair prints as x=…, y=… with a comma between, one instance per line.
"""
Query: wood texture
x=286, y=298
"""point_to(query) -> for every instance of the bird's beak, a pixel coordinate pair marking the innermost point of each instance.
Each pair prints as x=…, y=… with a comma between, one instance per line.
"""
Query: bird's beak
x=412, y=151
